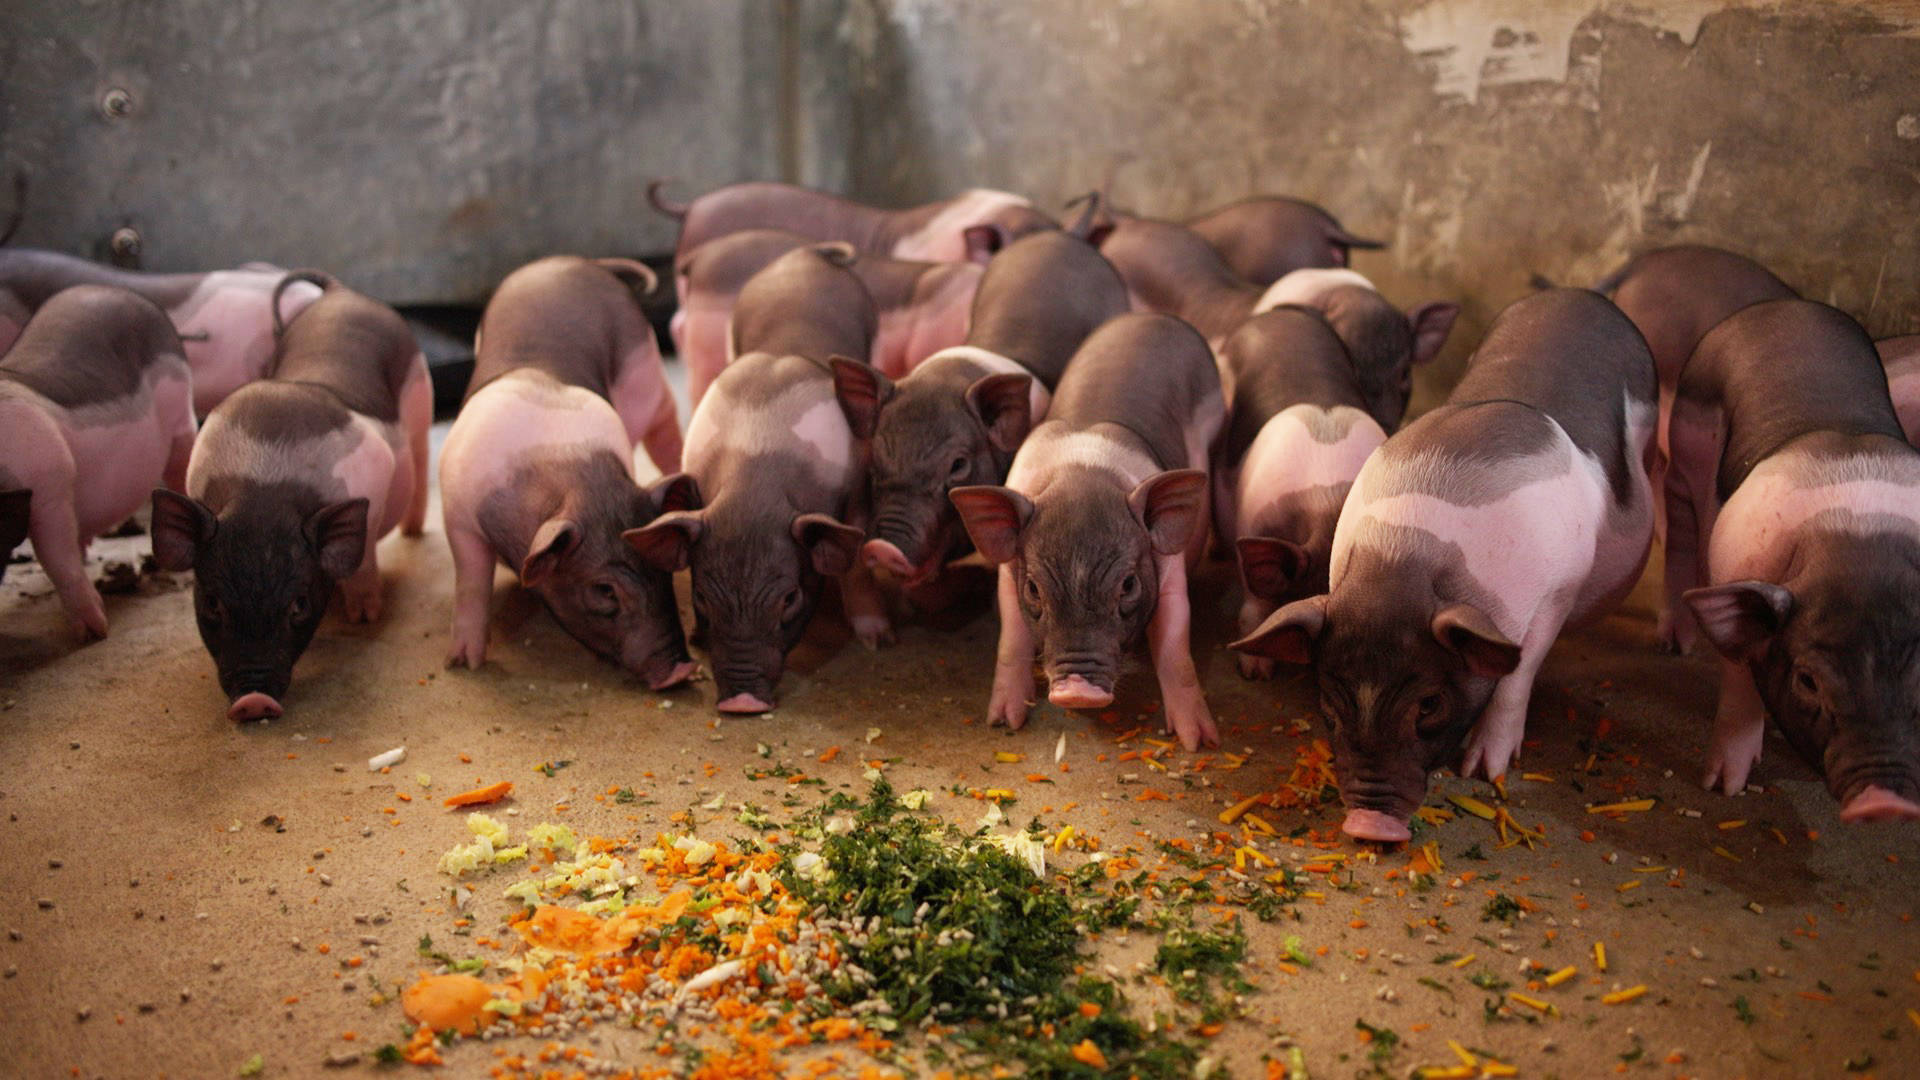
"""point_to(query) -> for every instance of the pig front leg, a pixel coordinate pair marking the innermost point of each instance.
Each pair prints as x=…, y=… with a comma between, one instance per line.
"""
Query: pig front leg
x=58, y=546
x=1013, y=665
x=416, y=416
x=1494, y=743
x=866, y=606
x=662, y=436
x=1253, y=612
x=1168, y=636
x=1738, y=725
x=472, y=596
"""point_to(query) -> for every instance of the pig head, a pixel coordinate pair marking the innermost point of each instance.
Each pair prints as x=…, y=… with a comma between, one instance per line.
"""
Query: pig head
x=945, y=429
x=1831, y=650
x=1386, y=343
x=1085, y=559
x=755, y=585
x=1402, y=680
x=263, y=574
x=597, y=587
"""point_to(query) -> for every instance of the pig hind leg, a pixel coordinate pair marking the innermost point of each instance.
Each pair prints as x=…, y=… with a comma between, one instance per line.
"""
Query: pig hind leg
x=416, y=416
x=1013, y=665
x=1168, y=634
x=1694, y=440
x=62, y=552
x=866, y=606
x=472, y=596
x=1739, y=722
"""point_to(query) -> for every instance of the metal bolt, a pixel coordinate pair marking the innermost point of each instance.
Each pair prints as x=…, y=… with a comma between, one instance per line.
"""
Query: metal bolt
x=116, y=103
x=125, y=242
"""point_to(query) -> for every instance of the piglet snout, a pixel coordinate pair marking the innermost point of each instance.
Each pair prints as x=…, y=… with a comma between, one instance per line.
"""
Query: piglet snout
x=1875, y=803
x=744, y=703
x=1376, y=826
x=1075, y=692
x=253, y=706
x=665, y=676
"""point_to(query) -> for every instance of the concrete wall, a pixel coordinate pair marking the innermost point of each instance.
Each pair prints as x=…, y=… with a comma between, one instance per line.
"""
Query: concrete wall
x=1487, y=139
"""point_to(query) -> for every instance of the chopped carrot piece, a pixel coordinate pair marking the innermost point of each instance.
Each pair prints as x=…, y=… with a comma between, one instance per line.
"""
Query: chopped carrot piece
x=492, y=793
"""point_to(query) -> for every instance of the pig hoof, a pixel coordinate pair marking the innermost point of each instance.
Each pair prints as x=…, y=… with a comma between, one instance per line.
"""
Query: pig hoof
x=254, y=706
x=743, y=704
x=873, y=631
x=466, y=657
x=1255, y=667
x=1008, y=714
x=1875, y=803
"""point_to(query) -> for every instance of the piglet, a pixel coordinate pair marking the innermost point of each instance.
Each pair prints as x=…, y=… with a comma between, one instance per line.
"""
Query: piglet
x=922, y=306
x=957, y=419
x=777, y=478
x=969, y=227
x=1102, y=515
x=538, y=469
x=1298, y=434
x=293, y=481
x=1386, y=343
x=96, y=408
x=1793, y=503
x=1675, y=295
x=223, y=317
x=1266, y=237
x=1468, y=541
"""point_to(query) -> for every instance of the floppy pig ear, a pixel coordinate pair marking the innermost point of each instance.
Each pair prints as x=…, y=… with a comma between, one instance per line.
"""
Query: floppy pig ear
x=830, y=544
x=180, y=526
x=1168, y=504
x=1466, y=630
x=15, y=516
x=677, y=491
x=1004, y=403
x=994, y=517
x=338, y=534
x=1269, y=565
x=552, y=542
x=983, y=241
x=1431, y=322
x=1288, y=634
x=667, y=544
x=862, y=391
x=1740, y=617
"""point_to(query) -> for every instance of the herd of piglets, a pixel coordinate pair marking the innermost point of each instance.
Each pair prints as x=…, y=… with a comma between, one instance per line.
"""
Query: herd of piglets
x=1090, y=407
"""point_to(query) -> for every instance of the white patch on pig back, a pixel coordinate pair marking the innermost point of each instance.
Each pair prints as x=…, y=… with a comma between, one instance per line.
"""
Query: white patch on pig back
x=1052, y=447
x=1307, y=287
x=1038, y=399
x=1753, y=537
x=355, y=461
x=521, y=415
x=944, y=238
x=227, y=327
x=803, y=418
x=1286, y=457
x=1530, y=545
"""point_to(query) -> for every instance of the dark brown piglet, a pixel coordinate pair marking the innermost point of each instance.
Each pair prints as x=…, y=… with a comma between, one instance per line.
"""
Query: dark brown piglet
x=1266, y=237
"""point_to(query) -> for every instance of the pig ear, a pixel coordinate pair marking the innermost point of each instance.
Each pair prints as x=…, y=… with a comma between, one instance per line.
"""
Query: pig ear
x=983, y=241
x=678, y=491
x=862, y=391
x=830, y=544
x=1466, y=630
x=552, y=542
x=667, y=544
x=1169, y=505
x=1004, y=403
x=1269, y=565
x=1288, y=634
x=1740, y=617
x=1431, y=323
x=338, y=535
x=994, y=517
x=15, y=515
x=180, y=526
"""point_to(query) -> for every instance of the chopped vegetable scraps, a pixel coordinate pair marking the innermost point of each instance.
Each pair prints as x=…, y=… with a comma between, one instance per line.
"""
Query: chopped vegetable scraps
x=492, y=793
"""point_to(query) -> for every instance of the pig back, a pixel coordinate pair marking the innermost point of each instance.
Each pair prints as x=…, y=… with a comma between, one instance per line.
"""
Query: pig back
x=1041, y=298
x=725, y=264
x=1782, y=369
x=805, y=303
x=36, y=276
x=1286, y=356
x=352, y=345
x=1151, y=374
x=563, y=316
x=90, y=344
x=1571, y=354
x=1676, y=294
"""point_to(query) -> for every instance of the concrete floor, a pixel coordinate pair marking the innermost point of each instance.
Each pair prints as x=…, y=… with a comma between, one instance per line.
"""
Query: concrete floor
x=139, y=885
